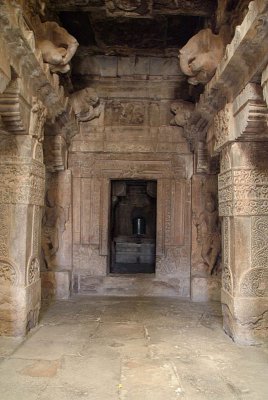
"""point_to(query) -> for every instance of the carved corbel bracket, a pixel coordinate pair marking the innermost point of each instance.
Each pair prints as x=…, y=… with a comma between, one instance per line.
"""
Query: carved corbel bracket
x=55, y=153
x=250, y=114
x=15, y=108
x=244, y=120
x=5, y=70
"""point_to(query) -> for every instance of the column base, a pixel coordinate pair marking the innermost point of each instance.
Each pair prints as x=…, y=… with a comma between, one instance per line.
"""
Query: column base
x=55, y=285
x=19, y=309
x=245, y=320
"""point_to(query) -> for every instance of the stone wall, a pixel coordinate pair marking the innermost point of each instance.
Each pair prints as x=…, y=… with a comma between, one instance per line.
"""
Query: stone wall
x=131, y=139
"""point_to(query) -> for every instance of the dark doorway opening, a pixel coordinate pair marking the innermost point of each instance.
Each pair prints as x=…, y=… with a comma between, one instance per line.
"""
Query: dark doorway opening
x=133, y=227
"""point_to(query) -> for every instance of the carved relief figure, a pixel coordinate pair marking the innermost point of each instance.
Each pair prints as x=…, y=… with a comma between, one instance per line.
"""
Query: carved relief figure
x=53, y=222
x=38, y=117
x=86, y=104
x=201, y=55
x=182, y=111
x=125, y=113
x=208, y=233
x=56, y=45
x=136, y=7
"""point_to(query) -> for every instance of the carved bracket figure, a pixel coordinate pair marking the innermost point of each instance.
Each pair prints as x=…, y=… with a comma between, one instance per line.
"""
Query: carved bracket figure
x=201, y=55
x=86, y=104
x=56, y=45
x=182, y=111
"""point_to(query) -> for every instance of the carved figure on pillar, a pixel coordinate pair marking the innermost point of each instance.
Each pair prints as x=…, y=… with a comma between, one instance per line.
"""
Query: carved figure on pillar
x=56, y=45
x=201, y=55
x=53, y=222
x=209, y=233
x=86, y=104
x=38, y=117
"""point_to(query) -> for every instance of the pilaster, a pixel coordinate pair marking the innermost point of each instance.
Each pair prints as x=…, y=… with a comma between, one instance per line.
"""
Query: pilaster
x=22, y=182
x=242, y=138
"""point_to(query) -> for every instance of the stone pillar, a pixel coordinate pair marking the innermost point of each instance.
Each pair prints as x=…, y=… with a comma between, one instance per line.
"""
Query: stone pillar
x=243, y=205
x=22, y=180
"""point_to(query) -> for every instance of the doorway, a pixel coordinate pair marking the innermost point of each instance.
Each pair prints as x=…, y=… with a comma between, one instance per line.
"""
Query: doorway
x=133, y=227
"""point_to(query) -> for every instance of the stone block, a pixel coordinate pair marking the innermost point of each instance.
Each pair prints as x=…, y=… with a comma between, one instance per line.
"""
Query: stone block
x=164, y=66
x=108, y=66
x=129, y=66
x=55, y=285
x=205, y=288
x=5, y=70
x=19, y=308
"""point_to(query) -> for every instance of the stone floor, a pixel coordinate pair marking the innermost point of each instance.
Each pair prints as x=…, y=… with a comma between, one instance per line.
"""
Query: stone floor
x=134, y=349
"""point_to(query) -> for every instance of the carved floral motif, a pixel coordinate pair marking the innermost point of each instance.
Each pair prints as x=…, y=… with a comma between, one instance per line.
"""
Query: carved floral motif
x=8, y=273
x=259, y=232
x=255, y=283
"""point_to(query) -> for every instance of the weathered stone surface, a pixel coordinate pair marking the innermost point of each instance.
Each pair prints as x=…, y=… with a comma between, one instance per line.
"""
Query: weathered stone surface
x=55, y=285
x=57, y=222
x=205, y=288
x=202, y=54
x=129, y=8
x=57, y=46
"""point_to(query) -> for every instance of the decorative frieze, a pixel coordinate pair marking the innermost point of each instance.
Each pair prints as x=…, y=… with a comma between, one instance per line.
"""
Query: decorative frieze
x=125, y=113
x=22, y=183
x=133, y=166
x=129, y=8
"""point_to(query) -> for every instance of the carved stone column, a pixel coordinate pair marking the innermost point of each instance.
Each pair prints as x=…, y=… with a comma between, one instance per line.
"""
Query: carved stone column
x=242, y=137
x=22, y=179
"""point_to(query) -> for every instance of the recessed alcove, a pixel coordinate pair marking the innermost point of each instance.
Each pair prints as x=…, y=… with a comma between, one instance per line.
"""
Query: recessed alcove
x=133, y=227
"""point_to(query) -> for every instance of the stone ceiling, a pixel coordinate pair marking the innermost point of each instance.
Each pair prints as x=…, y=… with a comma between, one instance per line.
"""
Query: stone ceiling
x=142, y=27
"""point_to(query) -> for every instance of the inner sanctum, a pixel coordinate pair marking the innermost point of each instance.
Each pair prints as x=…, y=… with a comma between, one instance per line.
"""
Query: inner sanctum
x=132, y=227
x=134, y=156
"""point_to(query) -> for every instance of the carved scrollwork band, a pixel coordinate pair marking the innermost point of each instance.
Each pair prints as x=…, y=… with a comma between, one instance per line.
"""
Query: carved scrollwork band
x=243, y=192
x=22, y=183
x=255, y=283
x=227, y=279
